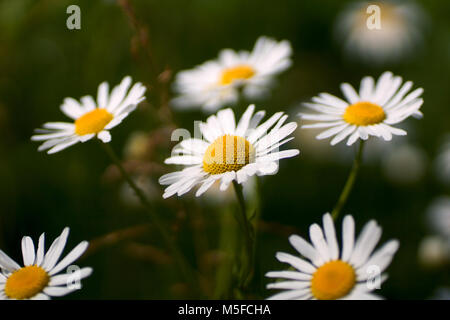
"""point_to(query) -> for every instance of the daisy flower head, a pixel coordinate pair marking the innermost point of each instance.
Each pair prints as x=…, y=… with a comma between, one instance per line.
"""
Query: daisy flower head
x=218, y=82
x=40, y=278
x=228, y=152
x=380, y=31
x=91, y=118
x=371, y=112
x=323, y=272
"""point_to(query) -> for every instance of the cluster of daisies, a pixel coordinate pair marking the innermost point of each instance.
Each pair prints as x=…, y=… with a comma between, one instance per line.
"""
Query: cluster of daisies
x=231, y=150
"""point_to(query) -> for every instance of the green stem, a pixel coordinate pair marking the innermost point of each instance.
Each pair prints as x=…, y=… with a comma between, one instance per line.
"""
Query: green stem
x=248, y=235
x=350, y=182
x=182, y=264
x=228, y=245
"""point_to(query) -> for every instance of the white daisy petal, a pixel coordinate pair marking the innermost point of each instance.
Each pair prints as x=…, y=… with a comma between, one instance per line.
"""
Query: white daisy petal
x=306, y=250
x=102, y=97
x=365, y=243
x=40, y=296
x=289, y=285
x=293, y=275
x=244, y=122
x=55, y=250
x=254, y=122
x=297, y=263
x=322, y=124
x=7, y=263
x=330, y=234
x=40, y=250
x=186, y=160
x=205, y=186
x=350, y=93
x=104, y=136
x=59, y=291
x=330, y=100
x=289, y=295
x=64, y=279
x=72, y=108
x=342, y=135
x=63, y=145
x=28, y=252
x=348, y=237
x=366, y=88
x=227, y=121
x=381, y=258
x=88, y=103
x=71, y=257
x=227, y=179
x=318, y=240
x=353, y=137
x=274, y=156
x=263, y=128
x=331, y=132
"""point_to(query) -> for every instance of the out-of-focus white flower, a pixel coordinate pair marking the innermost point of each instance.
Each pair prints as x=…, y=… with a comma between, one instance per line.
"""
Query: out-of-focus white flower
x=434, y=251
x=442, y=293
x=438, y=214
x=405, y=165
x=442, y=162
x=380, y=31
x=137, y=145
x=147, y=186
x=218, y=82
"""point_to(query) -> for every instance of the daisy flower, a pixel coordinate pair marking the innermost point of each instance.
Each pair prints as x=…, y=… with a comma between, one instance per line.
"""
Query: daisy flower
x=91, y=119
x=218, y=82
x=38, y=279
x=324, y=273
x=398, y=33
x=229, y=152
x=372, y=112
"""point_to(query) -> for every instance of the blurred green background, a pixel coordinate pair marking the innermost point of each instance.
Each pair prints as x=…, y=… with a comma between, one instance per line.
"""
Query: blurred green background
x=42, y=62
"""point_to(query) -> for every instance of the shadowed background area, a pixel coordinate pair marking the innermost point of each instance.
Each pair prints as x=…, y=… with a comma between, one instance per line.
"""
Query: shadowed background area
x=42, y=62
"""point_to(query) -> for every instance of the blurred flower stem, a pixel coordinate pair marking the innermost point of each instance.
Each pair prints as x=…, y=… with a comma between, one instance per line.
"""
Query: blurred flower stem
x=350, y=182
x=228, y=244
x=248, y=255
x=141, y=49
x=181, y=262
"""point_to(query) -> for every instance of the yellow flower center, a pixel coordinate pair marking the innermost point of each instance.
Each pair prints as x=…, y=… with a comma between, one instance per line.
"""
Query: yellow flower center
x=241, y=72
x=26, y=282
x=364, y=114
x=228, y=153
x=92, y=122
x=333, y=280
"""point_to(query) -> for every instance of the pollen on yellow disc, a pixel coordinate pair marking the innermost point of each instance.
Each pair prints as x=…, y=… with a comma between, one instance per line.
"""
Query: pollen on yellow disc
x=364, y=114
x=92, y=122
x=333, y=280
x=240, y=72
x=26, y=282
x=228, y=153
